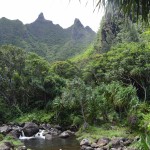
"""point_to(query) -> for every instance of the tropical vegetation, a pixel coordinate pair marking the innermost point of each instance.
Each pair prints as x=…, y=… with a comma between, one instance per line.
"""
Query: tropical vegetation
x=108, y=84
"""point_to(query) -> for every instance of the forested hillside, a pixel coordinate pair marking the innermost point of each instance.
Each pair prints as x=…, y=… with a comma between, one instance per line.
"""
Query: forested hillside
x=45, y=38
x=109, y=83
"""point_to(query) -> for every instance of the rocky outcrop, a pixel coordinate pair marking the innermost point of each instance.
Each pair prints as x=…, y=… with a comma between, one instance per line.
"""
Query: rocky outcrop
x=115, y=29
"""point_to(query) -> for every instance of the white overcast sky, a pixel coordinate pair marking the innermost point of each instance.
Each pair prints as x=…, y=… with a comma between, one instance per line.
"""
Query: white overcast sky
x=59, y=11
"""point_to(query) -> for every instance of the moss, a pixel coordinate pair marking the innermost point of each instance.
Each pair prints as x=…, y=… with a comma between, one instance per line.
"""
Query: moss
x=10, y=139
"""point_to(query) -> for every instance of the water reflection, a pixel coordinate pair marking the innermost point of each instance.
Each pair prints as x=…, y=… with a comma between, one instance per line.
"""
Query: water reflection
x=54, y=144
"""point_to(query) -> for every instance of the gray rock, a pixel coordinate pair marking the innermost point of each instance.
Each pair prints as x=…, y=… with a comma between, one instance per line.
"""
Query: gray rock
x=48, y=137
x=103, y=141
x=85, y=142
x=54, y=131
x=30, y=129
x=84, y=147
x=5, y=129
x=94, y=145
x=64, y=134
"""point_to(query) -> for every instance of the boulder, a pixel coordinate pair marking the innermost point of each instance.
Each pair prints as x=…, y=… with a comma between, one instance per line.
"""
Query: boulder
x=30, y=129
x=85, y=142
x=103, y=142
x=64, y=134
x=5, y=129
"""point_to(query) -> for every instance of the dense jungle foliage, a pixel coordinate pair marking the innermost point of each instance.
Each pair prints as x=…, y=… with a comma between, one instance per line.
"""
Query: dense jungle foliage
x=109, y=82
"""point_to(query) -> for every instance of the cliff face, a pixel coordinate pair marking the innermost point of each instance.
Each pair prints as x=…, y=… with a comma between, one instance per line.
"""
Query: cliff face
x=114, y=29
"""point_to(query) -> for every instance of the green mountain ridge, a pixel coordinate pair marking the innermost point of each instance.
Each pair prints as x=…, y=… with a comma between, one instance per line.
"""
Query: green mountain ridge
x=45, y=38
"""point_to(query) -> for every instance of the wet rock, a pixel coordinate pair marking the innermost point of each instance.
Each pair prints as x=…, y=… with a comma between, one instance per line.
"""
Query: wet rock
x=30, y=129
x=85, y=142
x=64, y=134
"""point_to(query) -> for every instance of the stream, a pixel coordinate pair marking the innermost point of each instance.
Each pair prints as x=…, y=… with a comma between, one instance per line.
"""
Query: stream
x=54, y=144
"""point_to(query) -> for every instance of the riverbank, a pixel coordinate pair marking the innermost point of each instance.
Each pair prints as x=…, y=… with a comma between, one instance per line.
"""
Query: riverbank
x=105, y=136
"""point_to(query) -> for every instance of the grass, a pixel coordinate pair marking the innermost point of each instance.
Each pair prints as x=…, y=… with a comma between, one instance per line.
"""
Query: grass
x=39, y=116
x=93, y=133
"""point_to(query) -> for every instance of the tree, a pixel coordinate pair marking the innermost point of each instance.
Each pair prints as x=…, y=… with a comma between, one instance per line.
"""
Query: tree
x=12, y=62
x=129, y=7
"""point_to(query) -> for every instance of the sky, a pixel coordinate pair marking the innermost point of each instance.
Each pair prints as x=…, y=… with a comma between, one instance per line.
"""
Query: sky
x=61, y=12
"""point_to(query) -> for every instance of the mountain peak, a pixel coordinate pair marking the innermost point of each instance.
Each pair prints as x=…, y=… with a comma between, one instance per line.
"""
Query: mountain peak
x=78, y=23
x=41, y=17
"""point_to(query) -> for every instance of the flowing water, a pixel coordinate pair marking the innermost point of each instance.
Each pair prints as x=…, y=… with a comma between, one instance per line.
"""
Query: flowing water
x=54, y=144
